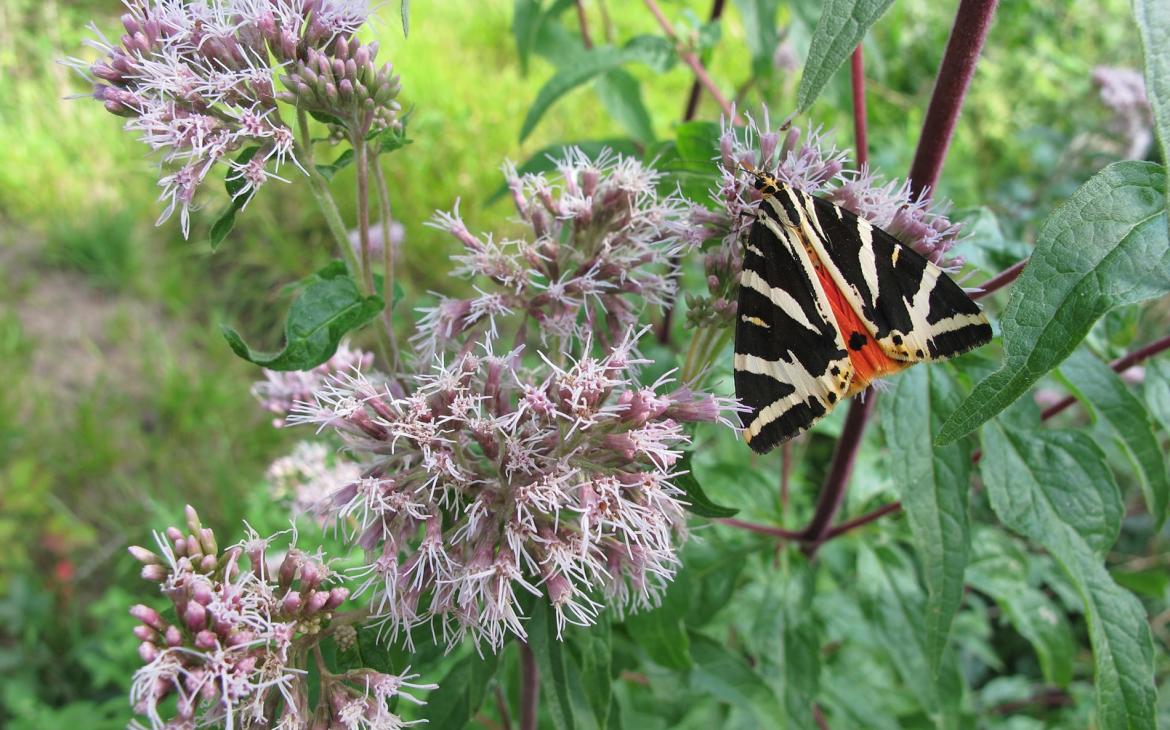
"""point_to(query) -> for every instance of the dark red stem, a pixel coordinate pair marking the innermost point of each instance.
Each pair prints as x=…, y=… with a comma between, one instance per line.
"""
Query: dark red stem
x=584, y=23
x=863, y=520
x=860, y=136
x=1119, y=365
x=954, y=76
x=777, y=532
x=1000, y=280
x=833, y=492
x=529, y=687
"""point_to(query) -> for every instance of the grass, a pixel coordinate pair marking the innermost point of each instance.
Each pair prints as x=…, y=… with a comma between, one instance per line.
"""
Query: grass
x=121, y=402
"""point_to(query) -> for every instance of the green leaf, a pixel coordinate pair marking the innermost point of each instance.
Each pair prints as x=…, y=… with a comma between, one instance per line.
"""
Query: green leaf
x=653, y=50
x=662, y=634
x=461, y=692
x=697, y=501
x=526, y=18
x=841, y=27
x=326, y=118
x=1054, y=488
x=404, y=11
x=759, y=22
x=587, y=66
x=237, y=200
x=698, y=141
x=895, y=606
x=1106, y=247
x=343, y=160
x=621, y=94
x=932, y=484
x=1153, y=23
x=594, y=660
x=550, y=660
x=729, y=679
x=326, y=310
x=1108, y=397
x=1000, y=569
x=786, y=639
x=1156, y=389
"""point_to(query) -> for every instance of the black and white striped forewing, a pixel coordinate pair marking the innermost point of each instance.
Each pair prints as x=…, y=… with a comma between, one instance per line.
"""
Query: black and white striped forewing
x=791, y=365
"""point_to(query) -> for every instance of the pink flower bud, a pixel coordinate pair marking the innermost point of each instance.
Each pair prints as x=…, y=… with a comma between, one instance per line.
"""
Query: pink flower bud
x=145, y=633
x=173, y=636
x=143, y=555
x=206, y=640
x=316, y=602
x=337, y=596
x=291, y=602
x=195, y=616
x=148, y=616
x=147, y=651
x=154, y=573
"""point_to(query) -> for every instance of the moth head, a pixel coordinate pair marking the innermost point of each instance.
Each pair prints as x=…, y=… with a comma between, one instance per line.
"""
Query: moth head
x=765, y=183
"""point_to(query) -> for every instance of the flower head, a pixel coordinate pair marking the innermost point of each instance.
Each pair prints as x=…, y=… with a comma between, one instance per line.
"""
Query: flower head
x=491, y=480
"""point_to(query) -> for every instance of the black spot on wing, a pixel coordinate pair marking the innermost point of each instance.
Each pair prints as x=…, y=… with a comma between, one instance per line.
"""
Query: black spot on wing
x=857, y=341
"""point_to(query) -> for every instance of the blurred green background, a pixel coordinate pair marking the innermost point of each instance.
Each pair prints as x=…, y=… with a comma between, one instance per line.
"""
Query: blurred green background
x=119, y=401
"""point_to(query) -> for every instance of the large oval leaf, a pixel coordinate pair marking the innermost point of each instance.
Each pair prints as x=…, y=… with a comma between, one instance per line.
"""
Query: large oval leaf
x=841, y=27
x=1107, y=246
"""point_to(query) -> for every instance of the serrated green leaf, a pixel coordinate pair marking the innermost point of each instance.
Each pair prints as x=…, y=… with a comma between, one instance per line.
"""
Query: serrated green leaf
x=1107, y=396
x=786, y=641
x=1156, y=389
x=727, y=678
x=461, y=692
x=653, y=50
x=893, y=602
x=932, y=484
x=1106, y=247
x=1053, y=488
x=621, y=94
x=697, y=502
x=326, y=311
x=759, y=22
x=1153, y=21
x=841, y=27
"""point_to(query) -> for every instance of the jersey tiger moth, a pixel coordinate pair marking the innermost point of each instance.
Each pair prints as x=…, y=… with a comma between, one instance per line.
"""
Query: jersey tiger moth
x=828, y=302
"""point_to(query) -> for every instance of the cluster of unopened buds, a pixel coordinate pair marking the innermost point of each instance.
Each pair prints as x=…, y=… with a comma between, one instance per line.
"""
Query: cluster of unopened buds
x=229, y=650
x=196, y=80
x=603, y=244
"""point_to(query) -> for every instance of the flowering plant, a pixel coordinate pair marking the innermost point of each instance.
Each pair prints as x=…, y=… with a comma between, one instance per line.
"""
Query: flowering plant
x=513, y=480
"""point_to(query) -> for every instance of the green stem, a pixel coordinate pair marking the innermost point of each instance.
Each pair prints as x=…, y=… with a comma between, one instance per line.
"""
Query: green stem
x=362, y=163
x=320, y=188
x=387, y=258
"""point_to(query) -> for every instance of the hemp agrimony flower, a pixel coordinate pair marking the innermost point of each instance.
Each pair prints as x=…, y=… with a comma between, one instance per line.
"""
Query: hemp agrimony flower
x=490, y=480
x=197, y=81
x=603, y=244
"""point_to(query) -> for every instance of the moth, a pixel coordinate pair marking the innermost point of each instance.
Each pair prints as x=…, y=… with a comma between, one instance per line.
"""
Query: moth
x=829, y=302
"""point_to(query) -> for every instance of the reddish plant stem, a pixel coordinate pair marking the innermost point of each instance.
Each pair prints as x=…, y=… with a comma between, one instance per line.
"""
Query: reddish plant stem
x=968, y=33
x=502, y=708
x=785, y=475
x=529, y=687
x=863, y=520
x=1000, y=280
x=690, y=59
x=819, y=717
x=777, y=532
x=860, y=125
x=696, y=87
x=584, y=23
x=833, y=492
x=1119, y=365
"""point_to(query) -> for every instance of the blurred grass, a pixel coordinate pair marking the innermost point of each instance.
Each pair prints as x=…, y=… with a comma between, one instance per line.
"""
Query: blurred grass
x=120, y=401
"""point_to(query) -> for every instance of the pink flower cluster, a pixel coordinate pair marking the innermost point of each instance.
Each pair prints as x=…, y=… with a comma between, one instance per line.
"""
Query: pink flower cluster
x=808, y=163
x=281, y=390
x=308, y=475
x=229, y=653
x=196, y=81
x=490, y=480
x=603, y=243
